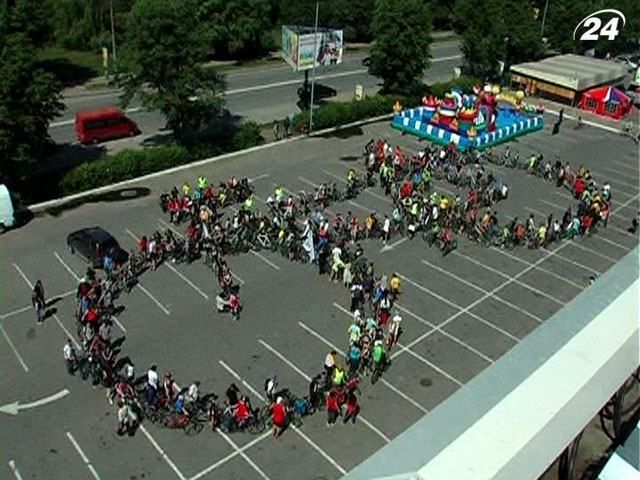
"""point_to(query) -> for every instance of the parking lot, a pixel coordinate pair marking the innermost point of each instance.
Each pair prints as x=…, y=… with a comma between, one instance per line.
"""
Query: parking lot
x=461, y=313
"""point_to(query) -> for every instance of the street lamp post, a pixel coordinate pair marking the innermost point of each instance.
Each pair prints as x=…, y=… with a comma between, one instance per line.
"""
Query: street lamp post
x=544, y=18
x=113, y=32
x=313, y=69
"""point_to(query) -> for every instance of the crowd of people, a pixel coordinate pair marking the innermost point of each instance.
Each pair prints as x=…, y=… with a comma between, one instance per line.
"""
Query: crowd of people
x=224, y=220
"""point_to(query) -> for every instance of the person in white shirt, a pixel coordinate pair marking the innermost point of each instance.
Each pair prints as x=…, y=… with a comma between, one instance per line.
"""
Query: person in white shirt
x=152, y=377
x=69, y=357
x=193, y=394
x=129, y=372
x=386, y=228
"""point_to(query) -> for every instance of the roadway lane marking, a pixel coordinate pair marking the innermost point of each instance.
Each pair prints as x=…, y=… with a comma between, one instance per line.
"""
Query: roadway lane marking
x=504, y=275
x=482, y=290
x=240, y=452
x=15, y=407
x=387, y=248
x=466, y=309
x=24, y=277
x=393, y=388
x=14, y=470
x=162, y=453
x=259, y=177
x=542, y=269
x=460, y=308
x=85, y=459
x=14, y=349
x=26, y=308
x=445, y=333
x=311, y=443
x=265, y=260
x=231, y=456
x=77, y=278
x=438, y=369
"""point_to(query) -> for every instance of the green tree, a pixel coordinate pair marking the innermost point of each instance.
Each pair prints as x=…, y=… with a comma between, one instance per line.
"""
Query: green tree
x=495, y=31
x=29, y=100
x=402, y=41
x=237, y=28
x=162, y=63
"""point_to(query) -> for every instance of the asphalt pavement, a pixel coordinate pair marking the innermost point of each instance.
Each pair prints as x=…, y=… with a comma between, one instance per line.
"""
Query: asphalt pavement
x=261, y=93
x=461, y=313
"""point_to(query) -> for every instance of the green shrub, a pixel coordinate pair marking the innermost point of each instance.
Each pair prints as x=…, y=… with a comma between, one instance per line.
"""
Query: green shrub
x=122, y=166
x=247, y=136
x=465, y=83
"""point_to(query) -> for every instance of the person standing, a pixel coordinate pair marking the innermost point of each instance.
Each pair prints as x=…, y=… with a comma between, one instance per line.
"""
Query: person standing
x=69, y=354
x=38, y=301
x=352, y=408
x=333, y=408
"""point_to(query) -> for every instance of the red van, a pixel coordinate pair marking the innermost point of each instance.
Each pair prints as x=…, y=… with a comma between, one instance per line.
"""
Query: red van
x=105, y=124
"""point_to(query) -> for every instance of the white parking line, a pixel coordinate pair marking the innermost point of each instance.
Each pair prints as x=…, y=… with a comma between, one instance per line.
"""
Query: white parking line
x=438, y=369
x=85, y=459
x=240, y=452
x=264, y=259
x=391, y=387
x=387, y=248
x=483, y=298
x=68, y=333
x=153, y=299
x=14, y=349
x=186, y=280
x=444, y=332
x=14, y=470
x=77, y=279
x=24, y=277
x=483, y=290
x=313, y=445
x=26, y=308
x=231, y=456
x=615, y=181
x=371, y=426
x=542, y=269
x=162, y=453
x=460, y=308
x=504, y=275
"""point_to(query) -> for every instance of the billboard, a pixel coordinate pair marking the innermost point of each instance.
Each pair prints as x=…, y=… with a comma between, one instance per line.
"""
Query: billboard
x=299, y=52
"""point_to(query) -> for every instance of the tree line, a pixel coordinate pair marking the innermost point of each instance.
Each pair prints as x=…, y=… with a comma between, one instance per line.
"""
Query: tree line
x=163, y=47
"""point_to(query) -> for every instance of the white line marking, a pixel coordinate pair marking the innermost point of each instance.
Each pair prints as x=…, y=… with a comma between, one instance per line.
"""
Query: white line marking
x=187, y=281
x=153, y=299
x=251, y=463
x=482, y=290
x=392, y=387
x=14, y=349
x=24, y=277
x=504, y=275
x=83, y=456
x=481, y=299
x=438, y=369
x=388, y=248
x=265, y=260
x=162, y=453
x=26, y=308
x=15, y=407
x=231, y=456
x=295, y=429
x=259, y=177
x=14, y=470
x=542, y=269
x=284, y=359
x=614, y=181
x=445, y=333
x=461, y=309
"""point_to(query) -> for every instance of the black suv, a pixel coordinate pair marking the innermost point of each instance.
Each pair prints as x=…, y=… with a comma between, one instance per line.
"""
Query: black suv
x=93, y=243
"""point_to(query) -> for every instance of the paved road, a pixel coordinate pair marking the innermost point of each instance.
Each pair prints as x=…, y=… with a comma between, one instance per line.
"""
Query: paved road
x=461, y=314
x=263, y=93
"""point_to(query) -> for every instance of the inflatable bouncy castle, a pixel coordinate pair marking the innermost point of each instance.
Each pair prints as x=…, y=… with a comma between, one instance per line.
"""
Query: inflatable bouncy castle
x=474, y=120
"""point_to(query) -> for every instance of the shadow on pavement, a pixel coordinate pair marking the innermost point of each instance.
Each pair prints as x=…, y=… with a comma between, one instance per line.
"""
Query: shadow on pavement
x=122, y=194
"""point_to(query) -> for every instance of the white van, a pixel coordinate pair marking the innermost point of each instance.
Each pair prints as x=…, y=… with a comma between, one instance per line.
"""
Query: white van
x=7, y=218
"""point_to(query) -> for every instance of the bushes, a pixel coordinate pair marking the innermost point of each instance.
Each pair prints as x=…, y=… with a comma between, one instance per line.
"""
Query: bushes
x=246, y=137
x=123, y=166
x=465, y=83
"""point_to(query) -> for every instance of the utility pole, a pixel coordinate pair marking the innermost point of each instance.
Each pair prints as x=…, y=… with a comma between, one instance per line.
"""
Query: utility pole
x=113, y=32
x=544, y=18
x=313, y=70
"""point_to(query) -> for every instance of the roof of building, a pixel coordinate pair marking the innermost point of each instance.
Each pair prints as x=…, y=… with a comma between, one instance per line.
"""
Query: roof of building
x=575, y=72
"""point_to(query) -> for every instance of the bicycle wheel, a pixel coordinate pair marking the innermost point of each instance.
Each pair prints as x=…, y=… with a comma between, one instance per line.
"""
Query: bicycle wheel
x=256, y=425
x=193, y=427
x=375, y=375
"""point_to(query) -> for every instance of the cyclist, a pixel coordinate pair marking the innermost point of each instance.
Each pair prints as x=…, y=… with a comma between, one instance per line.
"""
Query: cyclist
x=38, y=301
x=242, y=412
x=231, y=395
x=193, y=393
x=127, y=419
x=69, y=354
x=278, y=417
x=378, y=355
x=394, y=331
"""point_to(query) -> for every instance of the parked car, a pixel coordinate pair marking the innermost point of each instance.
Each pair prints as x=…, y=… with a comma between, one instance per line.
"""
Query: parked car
x=104, y=124
x=93, y=243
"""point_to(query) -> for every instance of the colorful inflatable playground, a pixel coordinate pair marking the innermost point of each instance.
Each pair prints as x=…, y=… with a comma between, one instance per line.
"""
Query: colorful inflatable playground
x=470, y=121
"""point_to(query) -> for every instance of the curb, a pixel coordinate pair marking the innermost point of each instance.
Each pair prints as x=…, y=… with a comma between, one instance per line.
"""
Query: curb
x=58, y=202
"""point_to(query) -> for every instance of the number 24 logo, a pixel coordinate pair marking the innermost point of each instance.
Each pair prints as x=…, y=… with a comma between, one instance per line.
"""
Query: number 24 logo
x=594, y=26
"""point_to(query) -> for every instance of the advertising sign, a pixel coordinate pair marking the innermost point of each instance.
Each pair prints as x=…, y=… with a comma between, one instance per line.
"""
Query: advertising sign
x=298, y=47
